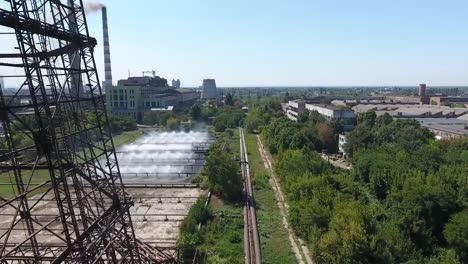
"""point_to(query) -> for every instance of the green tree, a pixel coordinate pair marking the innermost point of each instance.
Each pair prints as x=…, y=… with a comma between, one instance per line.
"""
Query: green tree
x=229, y=118
x=303, y=117
x=196, y=112
x=223, y=174
x=456, y=233
x=229, y=100
x=173, y=123
x=151, y=118
x=346, y=240
x=119, y=124
x=445, y=256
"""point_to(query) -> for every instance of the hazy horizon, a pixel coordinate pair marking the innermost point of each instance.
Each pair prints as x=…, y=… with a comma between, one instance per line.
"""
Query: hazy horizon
x=295, y=43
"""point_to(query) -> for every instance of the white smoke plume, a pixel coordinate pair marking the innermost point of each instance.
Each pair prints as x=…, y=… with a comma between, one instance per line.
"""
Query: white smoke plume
x=92, y=7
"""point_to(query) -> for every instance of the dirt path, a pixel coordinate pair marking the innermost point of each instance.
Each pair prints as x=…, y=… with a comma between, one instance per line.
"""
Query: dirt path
x=300, y=251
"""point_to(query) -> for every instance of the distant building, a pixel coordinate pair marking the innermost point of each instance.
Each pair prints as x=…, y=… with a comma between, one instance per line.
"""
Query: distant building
x=342, y=140
x=422, y=90
x=422, y=94
x=444, y=121
x=447, y=100
x=445, y=128
x=176, y=83
x=134, y=96
x=294, y=108
x=412, y=111
x=209, y=90
x=329, y=112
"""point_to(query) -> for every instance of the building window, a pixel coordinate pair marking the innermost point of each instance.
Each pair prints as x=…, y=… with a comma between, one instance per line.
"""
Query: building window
x=153, y=104
x=115, y=97
x=147, y=104
x=121, y=97
x=116, y=104
x=122, y=104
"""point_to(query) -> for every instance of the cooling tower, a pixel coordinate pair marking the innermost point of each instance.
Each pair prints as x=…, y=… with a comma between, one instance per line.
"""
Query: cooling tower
x=209, y=89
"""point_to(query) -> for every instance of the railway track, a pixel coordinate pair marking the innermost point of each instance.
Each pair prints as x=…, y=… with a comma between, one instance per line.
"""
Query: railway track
x=251, y=240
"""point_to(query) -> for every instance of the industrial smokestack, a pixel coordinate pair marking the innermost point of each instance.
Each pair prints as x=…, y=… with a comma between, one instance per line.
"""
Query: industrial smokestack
x=77, y=89
x=107, y=58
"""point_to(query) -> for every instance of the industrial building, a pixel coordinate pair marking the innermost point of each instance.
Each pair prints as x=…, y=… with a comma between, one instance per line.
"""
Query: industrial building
x=209, y=90
x=444, y=121
x=445, y=128
x=329, y=112
x=412, y=111
x=448, y=100
x=134, y=96
x=294, y=108
x=342, y=140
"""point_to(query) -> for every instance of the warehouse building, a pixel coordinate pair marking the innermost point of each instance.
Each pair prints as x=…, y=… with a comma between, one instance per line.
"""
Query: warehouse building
x=412, y=111
x=445, y=128
x=134, y=96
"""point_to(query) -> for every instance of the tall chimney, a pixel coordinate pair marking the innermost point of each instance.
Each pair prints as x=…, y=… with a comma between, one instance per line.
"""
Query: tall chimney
x=107, y=58
x=77, y=89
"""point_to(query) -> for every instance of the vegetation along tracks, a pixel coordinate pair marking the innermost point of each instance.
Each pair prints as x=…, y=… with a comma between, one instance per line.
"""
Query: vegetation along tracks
x=251, y=238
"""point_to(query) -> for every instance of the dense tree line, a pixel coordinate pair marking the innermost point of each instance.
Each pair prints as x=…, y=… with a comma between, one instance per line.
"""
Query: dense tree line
x=261, y=112
x=309, y=133
x=405, y=201
x=229, y=117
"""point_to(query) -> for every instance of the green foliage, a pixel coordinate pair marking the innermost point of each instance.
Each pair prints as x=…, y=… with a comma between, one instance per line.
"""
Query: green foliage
x=346, y=240
x=207, y=112
x=303, y=117
x=229, y=118
x=406, y=133
x=223, y=174
x=119, y=124
x=229, y=100
x=196, y=112
x=445, y=256
x=150, y=118
x=173, y=123
x=261, y=112
x=405, y=201
x=222, y=237
x=456, y=233
x=283, y=133
x=229, y=132
x=190, y=236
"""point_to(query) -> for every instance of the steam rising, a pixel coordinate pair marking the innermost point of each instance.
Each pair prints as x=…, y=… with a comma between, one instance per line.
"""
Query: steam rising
x=162, y=157
x=92, y=7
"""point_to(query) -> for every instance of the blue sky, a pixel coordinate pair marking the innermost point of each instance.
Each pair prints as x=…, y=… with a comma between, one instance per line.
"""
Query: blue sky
x=289, y=42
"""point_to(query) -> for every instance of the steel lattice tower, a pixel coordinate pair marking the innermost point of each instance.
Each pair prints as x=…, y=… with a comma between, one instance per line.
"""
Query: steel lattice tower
x=58, y=151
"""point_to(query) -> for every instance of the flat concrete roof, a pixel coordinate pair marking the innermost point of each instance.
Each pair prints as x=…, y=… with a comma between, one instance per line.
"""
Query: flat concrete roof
x=451, y=125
